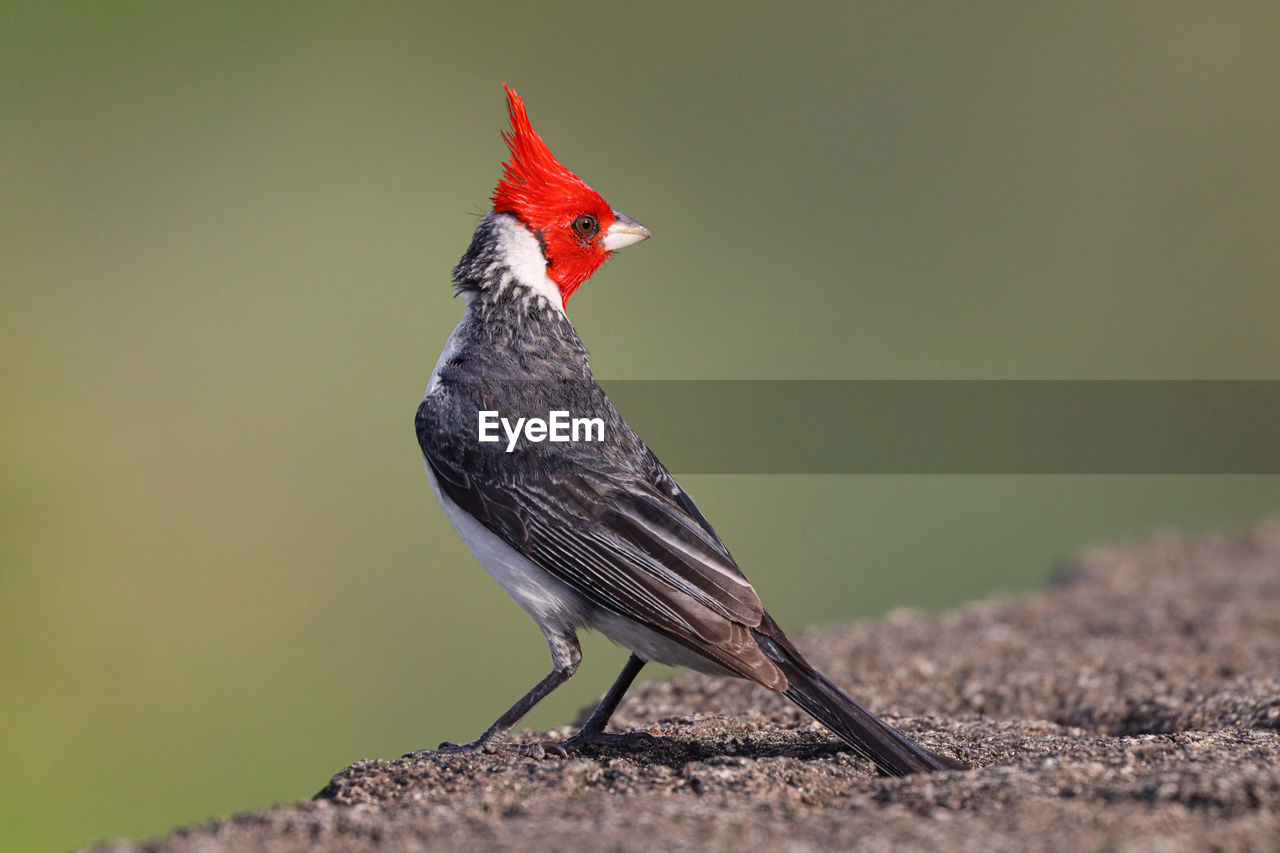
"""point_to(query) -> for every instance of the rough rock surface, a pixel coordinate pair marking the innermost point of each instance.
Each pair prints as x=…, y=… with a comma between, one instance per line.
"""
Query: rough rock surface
x=1134, y=705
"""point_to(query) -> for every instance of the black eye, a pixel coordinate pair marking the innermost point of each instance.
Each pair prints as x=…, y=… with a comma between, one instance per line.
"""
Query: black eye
x=586, y=226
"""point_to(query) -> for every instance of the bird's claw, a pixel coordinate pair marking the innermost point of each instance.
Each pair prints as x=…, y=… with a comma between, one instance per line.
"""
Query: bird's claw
x=629, y=741
x=472, y=748
x=528, y=750
x=555, y=749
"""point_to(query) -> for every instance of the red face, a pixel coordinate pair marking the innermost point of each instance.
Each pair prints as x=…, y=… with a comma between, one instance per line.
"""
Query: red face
x=572, y=235
x=568, y=217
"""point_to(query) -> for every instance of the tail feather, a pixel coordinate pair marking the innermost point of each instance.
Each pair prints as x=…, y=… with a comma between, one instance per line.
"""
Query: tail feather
x=870, y=737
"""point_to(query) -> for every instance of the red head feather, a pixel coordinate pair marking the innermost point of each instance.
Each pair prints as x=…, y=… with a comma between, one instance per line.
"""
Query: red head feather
x=548, y=198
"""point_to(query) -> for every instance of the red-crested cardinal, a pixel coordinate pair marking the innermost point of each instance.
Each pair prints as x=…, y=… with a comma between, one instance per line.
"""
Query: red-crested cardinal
x=593, y=532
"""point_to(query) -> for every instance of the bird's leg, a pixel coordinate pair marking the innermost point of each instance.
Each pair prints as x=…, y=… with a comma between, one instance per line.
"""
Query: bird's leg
x=565, y=656
x=592, y=732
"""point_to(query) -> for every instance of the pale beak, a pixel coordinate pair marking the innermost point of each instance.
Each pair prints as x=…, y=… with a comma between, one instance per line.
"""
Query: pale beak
x=624, y=232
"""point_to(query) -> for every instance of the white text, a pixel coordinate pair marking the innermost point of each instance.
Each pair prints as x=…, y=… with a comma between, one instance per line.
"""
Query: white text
x=558, y=426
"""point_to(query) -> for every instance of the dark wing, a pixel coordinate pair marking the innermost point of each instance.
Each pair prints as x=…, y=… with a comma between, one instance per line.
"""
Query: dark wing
x=625, y=537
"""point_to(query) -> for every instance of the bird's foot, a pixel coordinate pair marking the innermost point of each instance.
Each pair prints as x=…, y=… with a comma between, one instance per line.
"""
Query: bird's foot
x=489, y=747
x=588, y=738
x=584, y=739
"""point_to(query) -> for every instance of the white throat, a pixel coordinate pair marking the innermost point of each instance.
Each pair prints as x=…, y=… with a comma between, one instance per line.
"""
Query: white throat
x=523, y=256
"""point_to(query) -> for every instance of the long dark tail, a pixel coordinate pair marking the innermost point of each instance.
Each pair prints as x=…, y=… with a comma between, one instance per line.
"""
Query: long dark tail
x=870, y=737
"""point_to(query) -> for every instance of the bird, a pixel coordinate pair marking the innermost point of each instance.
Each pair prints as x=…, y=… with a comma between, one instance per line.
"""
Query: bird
x=590, y=534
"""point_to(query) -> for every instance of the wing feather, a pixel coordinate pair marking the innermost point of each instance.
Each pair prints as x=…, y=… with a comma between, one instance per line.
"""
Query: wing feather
x=629, y=541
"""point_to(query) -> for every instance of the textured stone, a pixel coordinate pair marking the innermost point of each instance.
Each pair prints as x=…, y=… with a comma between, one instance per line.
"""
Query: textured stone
x=1134, y=705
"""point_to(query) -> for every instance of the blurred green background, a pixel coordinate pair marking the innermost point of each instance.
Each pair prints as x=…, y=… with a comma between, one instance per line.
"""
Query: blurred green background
x=225, y=242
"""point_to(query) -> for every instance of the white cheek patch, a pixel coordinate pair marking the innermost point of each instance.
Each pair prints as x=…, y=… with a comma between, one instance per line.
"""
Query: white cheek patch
x=523, y=255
